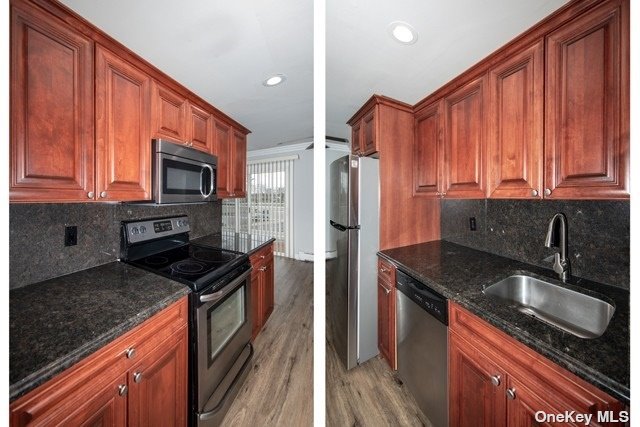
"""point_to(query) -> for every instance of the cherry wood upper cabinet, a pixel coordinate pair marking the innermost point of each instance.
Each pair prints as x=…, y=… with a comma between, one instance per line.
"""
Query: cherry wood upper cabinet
x=123, y=143
x=200, y=128
x=239, y=170
x=587, y=105
x=427, y=167
x=169, y=114
x=369, y=141
x=476, y=387
x=356, y=135
x=464, y=118
x=222, y=149
x=52, y=134
x=515, y=125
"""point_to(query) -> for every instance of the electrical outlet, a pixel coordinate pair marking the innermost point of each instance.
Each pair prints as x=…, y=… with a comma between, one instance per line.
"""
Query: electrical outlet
x=70, y=235
x=472, y=223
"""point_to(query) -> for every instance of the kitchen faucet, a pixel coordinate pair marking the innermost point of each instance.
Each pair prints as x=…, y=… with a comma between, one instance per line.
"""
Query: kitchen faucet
x=561, y=263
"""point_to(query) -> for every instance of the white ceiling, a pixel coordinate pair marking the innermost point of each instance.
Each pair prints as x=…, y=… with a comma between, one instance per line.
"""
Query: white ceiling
x=223, y=50
x=362, y=59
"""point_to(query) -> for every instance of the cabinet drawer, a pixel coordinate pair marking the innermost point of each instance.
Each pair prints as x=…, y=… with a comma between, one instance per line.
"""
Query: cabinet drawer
x=260, y=257
x=387, y=271
x=540, y=375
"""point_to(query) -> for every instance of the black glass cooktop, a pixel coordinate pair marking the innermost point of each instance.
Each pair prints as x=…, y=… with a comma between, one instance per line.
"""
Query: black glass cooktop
x=192, y=264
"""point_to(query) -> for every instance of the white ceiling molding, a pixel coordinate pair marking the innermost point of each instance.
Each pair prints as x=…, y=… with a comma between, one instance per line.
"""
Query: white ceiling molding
x=275, y=151
x=337, y=146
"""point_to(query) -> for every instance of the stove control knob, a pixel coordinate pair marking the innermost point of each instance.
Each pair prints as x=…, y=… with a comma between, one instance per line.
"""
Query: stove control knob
x=143, y=229
x=185, y=223
x=135, y=230
x=180, y=223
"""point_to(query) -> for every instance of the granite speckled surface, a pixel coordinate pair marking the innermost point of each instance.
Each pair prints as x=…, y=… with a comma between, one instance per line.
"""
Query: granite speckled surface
x=598, y=232
x=460, y=274
x=37, y=253
x=56, y=323
x=240, y=242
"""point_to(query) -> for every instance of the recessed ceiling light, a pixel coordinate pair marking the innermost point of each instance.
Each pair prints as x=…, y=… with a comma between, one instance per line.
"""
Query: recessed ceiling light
x=274, y=80
x=403, y=32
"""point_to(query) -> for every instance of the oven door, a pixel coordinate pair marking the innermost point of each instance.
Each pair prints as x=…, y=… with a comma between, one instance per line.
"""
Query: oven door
x=180, y=180
x=223, y=323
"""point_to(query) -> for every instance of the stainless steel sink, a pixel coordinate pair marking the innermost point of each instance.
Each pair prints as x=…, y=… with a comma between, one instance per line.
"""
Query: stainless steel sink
x=582, y=315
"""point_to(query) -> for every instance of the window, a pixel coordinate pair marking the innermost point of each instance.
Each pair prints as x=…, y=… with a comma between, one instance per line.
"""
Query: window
x=268, y=207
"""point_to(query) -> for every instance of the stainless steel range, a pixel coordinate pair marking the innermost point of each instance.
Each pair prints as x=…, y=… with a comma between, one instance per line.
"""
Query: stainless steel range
x=220, y=319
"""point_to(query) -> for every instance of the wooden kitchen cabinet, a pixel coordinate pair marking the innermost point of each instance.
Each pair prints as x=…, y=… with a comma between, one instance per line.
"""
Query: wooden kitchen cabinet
x=102, y=388
x=515, y=125
x=587, y=105
x=52, y=118
x=464, y=141
x=262, y=288
x=355, y=138
x=169, y=114
x=364, y=135
x=239, y=170
x=199, y=128
x=387, y=312
x=498, y=380
x=428, y=151
x=123, y=146
x=231, y=149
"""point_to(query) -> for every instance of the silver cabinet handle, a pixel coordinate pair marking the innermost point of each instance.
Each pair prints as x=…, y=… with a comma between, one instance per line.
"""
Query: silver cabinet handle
x=511, y=393
x=387, y=291
x=547, y=192
x=103, y=194
x=122, y=390
x=534, y=193
x=90, y=194
x=137, y=377
x=130, y=353
x=495, y=380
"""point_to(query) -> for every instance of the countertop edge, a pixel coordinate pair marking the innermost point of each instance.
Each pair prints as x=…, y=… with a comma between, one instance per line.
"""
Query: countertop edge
x=578, y=368
x=51, y=370
x=262, y=245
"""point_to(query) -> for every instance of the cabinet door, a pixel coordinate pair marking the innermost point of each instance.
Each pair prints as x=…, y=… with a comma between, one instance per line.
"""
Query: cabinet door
x=222, y=140
x=123, y=143
x=158, y=385
x=200, y=128
x=515, y=121
x=105, y=407
x=463, y=175
x=169, y=114
x=256, y=302
x=52, y=137
x=269, y=289
x=387, y=321
x=587, y=106
x=356, y=136
x=239, y=169
x=369, y=144
x=523, y=404
x=428, y=151
x=474, y=400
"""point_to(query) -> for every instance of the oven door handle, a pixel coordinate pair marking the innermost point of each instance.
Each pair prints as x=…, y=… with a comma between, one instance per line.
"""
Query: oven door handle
x=216, y=296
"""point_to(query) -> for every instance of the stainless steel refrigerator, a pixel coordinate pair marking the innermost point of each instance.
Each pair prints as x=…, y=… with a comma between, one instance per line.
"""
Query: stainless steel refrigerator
x=352, y=300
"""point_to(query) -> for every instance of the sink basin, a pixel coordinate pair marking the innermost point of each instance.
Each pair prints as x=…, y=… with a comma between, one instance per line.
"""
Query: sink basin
x=582, y=315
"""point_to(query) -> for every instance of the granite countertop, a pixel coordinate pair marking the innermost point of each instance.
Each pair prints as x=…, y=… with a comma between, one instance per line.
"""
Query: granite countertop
x=460, y=274
x=56, y=323
x=239, y=242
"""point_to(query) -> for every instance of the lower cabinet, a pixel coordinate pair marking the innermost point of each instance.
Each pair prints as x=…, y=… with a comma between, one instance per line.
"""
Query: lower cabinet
x=387, y=312
x=496, y=381
x=262, y=288
x=138, y=379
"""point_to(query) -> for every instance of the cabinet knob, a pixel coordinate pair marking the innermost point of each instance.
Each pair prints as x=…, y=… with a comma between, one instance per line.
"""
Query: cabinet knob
x=130, y=353
x=547, y=192
x=122, y=390
x=383, y=270
x=386, y=291
x=103, y=194
x=264, y=268
x=511, y=393
x=90, y=194
x=534, y=193
x=262, y=256
x=495, y=380
x=137, y=377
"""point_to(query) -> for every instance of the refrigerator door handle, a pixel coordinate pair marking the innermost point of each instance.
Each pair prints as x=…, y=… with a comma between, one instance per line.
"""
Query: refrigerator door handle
x=343, y=227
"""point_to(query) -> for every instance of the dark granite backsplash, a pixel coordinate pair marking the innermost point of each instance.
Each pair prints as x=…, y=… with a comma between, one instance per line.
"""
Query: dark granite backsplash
x=598, y=233
x=36, y=234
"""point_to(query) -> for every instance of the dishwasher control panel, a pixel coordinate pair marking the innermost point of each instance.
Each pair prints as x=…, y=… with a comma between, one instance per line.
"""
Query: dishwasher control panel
x=428, y=299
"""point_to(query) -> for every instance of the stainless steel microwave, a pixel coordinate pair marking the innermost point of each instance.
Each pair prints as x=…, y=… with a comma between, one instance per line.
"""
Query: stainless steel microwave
x=182, y=174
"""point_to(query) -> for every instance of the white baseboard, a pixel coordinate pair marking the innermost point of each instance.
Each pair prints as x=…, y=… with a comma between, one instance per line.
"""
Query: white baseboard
x=306, y=256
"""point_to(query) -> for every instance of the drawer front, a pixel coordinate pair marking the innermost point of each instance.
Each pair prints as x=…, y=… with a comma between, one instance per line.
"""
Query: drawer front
x=387, y=271
x=261, y=256
x=543, y=377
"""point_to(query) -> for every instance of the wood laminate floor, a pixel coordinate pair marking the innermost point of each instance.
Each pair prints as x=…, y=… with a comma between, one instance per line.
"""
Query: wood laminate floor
x=279, y=390
x=368, y=395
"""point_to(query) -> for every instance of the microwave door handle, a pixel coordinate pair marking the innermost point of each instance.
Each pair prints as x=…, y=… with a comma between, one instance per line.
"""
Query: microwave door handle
x=212, y=180
x=202, y=181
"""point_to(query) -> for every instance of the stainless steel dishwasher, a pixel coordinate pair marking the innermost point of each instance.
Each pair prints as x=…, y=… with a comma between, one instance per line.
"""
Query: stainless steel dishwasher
x=422, y=346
